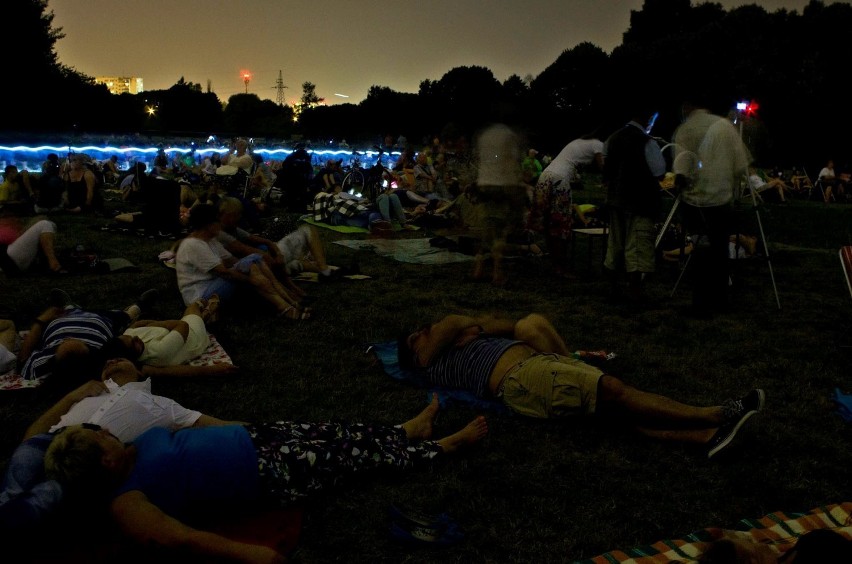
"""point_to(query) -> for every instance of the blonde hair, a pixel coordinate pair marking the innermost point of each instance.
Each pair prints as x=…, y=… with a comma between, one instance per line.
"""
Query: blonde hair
x=229, y=204
x=74, y=459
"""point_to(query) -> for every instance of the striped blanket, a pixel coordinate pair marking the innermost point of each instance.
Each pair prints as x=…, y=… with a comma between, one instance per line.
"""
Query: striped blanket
x=778, y=530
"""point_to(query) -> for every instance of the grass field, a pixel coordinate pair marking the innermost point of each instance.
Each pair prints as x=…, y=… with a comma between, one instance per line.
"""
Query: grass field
x=533, y=491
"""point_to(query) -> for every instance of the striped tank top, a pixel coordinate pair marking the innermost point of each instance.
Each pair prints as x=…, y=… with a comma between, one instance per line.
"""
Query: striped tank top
x=469, y=367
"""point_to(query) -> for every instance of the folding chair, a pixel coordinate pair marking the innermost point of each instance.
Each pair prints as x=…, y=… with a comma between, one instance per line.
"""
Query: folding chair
x=817, y=186
x=846, y=263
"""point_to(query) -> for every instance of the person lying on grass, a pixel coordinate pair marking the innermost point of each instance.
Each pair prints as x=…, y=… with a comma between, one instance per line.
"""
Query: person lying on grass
x=153, y=483
x=65, y=339
x=121, y=400
x=164, y=348
x=526, y=365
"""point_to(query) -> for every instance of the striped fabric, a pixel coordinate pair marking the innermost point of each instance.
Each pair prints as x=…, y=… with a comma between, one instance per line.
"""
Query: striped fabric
x=92, y=329
x=470, y=367
x=778, y=530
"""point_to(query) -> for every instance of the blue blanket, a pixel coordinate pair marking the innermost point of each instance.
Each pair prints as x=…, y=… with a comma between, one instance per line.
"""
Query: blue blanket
x=387, y=355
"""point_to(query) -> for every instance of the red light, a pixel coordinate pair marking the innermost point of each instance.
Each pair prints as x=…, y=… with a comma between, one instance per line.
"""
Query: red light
x=751, y=108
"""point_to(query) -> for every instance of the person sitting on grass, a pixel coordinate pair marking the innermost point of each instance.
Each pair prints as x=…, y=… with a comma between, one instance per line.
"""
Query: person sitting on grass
x=299, y=250
x=204, y=268
x=163, y=348
x=526, y=365
x=277, y=463
x=122, y=400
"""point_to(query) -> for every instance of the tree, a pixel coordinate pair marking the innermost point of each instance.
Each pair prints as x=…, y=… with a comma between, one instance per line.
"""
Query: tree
x=309, y=95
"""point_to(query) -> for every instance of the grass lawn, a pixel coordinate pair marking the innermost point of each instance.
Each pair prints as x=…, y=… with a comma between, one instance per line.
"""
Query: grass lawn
x=533, y=491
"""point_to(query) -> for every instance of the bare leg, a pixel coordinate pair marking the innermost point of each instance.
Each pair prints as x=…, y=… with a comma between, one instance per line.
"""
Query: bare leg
x=420, y=427
x=264, y=287
x=264, y=270
x=647, y=410
x=45, y=241
x=498, y=278
x=317, y=250
x=536, y=331
x=693, y=436
x=7, y=334
x=472, y=433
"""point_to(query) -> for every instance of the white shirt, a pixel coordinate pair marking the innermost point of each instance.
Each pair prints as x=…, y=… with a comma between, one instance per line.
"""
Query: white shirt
x=718, y=159
x=194, y=261
x=577, y=152
x=169, y=348
x=128, y=411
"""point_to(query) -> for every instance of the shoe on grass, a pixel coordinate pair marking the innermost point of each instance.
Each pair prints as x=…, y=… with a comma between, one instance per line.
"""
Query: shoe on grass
x=752, y=402
x=737, y=413
x=60, y=298
x=147, y=299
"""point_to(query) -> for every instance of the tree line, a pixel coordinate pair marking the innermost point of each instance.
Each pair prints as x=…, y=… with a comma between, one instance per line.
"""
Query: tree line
x=791, y=64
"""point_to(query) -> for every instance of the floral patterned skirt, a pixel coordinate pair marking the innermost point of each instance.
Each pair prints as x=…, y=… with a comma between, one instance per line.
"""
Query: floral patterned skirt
x=297, y=459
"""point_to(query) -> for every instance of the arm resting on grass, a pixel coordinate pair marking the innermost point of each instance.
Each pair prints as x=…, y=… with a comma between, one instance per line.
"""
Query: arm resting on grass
x=186, y=370
x=149, y=526
x=52, y=416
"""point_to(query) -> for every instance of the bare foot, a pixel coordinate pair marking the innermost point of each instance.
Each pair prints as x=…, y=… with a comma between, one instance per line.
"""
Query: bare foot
x=420, y=427
x=210, y=314
x=471, y=434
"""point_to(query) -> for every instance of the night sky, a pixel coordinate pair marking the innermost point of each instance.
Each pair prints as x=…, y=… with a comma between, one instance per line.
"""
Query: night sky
x=341, y=46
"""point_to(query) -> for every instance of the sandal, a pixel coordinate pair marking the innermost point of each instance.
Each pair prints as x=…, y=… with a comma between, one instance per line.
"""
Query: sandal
x=295, y=313
x=210, y=312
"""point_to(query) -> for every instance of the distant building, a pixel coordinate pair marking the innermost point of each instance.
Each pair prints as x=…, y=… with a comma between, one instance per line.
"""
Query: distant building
x=121, y=84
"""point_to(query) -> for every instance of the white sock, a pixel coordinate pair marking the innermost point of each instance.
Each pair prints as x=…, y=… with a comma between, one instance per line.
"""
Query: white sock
x=133, y=311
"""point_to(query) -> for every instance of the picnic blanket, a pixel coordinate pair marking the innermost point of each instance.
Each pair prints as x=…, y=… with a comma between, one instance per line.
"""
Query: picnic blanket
x=343, y=228
x=416, y=251
x=214, y=354
x=778, y=530
x=386, y=353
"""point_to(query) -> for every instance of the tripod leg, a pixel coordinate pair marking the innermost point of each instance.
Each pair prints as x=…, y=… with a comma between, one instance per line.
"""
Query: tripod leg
x=682, y=272
x=667, y=222
x=768, y=260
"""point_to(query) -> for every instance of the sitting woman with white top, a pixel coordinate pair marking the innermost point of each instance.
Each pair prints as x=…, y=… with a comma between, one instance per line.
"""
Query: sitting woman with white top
x=204, y=268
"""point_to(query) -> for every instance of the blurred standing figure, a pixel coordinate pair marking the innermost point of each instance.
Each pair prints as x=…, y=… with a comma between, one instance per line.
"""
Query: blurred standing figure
x=633, y=168
x=531, y=167
x=710, y=161
x=499, y=194
x=552, y=206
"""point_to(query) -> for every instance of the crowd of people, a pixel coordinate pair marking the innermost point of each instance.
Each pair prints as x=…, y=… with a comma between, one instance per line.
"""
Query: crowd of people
x=150, y=461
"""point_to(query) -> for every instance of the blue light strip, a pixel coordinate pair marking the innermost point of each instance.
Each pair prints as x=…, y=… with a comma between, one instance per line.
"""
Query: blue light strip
x=30, y=158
